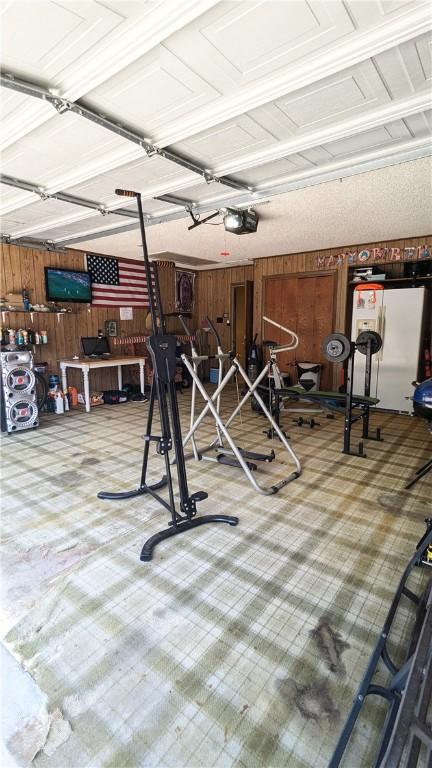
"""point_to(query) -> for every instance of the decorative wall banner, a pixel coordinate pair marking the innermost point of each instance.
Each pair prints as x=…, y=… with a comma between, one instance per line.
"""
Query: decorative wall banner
x=184, y=291
x=374, y=255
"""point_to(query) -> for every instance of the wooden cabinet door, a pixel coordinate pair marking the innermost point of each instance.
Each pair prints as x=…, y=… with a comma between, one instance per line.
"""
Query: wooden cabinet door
x=304, y=303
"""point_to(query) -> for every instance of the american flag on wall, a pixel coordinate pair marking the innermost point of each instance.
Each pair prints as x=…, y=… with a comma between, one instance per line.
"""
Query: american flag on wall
x=117, y=282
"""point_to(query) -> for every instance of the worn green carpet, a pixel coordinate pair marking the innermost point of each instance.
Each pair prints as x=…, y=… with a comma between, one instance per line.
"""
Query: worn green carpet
x=235, y=646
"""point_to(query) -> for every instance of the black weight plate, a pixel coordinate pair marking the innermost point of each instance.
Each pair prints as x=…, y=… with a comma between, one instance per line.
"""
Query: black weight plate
x=362, y=342
x=336, y=347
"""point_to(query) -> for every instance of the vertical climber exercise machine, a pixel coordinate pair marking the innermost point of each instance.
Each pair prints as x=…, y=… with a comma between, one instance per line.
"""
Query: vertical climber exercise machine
x=230, y=453
x=162, y=349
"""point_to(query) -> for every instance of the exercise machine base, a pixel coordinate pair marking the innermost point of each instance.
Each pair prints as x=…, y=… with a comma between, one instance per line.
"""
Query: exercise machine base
x=137, y=492
x=359, y=452
x=185, y=525
x=420, y=473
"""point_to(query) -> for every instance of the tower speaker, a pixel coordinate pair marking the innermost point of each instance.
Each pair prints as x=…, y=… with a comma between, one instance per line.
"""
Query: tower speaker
x=18, y=392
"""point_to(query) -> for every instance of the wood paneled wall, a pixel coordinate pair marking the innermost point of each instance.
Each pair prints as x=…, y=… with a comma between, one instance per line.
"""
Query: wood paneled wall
x=214, y=286
x=213, y=297
x=308, y=262
x=24, y=268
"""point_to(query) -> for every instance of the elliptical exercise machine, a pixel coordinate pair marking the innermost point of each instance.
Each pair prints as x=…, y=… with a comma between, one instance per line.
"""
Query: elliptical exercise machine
x=224, y=455
x=233, y=455
x=162, y=349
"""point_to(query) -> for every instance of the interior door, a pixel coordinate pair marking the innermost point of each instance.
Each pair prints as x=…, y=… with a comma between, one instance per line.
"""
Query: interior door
x=304, y=303
x=242, y=319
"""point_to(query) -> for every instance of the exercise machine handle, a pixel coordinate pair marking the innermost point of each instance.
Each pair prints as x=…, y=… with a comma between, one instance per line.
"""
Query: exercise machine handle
x=284, y=347
x=185, y=328
x=214, y=331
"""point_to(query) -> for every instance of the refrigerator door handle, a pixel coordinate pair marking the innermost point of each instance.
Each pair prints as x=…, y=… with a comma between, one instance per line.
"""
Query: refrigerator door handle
x=381, y=330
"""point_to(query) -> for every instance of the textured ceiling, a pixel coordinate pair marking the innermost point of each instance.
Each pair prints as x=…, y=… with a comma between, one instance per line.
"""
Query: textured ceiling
x=386, y=204
x=276, y=99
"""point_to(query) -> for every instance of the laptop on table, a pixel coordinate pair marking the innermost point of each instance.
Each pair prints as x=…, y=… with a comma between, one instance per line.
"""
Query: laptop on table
x=95, y=347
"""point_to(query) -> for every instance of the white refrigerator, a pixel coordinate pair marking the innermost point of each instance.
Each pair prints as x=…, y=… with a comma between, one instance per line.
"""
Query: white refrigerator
x=397, y=315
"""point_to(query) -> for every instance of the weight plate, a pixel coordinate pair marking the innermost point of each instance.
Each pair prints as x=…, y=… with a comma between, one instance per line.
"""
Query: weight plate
x=336, y=347
x=363, y=339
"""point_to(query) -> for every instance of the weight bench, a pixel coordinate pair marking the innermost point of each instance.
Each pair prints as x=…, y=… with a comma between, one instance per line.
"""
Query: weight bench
x=339, y=402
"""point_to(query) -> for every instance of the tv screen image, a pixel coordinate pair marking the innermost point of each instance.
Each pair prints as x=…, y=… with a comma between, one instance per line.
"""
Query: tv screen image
x=67, y=285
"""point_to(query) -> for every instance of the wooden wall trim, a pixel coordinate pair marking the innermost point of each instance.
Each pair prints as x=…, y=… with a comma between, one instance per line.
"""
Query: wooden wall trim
x=299, y=274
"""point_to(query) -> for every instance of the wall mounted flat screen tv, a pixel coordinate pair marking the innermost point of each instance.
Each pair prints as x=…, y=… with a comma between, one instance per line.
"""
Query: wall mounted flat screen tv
x=67, y=285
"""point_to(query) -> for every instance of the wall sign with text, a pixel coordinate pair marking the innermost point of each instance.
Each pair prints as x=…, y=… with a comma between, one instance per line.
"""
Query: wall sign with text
x=373, y=255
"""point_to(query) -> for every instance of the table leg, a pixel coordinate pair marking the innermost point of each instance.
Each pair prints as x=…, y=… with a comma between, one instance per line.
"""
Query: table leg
x=64, y=377
x=141, y=367
x=119, y=376
x=85, y=371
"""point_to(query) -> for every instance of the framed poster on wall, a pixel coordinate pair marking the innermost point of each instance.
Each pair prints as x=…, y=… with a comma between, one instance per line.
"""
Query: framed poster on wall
x=184, y=291
x=110, y=328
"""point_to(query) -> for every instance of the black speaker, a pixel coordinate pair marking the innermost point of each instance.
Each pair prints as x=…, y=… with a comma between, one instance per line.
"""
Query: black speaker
x=417, y=268
x=18, y=391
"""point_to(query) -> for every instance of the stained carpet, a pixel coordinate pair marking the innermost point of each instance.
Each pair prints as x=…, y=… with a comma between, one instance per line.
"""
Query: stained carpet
x=235, y=646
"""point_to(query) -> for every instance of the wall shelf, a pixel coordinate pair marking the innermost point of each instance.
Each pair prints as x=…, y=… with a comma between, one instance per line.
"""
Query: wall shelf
x=38, y=311
x=32, y=312
x=412, y=280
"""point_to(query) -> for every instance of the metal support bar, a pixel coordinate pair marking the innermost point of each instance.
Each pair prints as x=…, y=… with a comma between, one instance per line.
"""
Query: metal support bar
x=28, y=242
x=368, y=371
x=205, y=172
x=173, y=200
x=348, y=418
x=197, y=222
x=8, y=80
x=38, y=189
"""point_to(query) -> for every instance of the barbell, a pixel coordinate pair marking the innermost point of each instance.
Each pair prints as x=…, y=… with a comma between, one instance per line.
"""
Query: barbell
x=363, y=340
x=337, y=347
